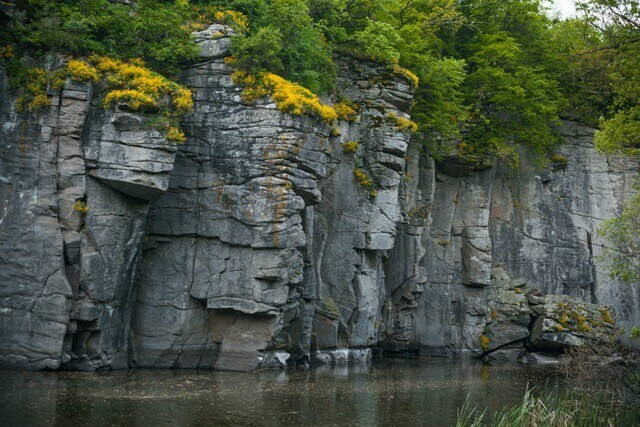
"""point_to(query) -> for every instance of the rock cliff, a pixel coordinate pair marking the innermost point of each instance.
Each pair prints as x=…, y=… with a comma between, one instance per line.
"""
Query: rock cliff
x=255, y=243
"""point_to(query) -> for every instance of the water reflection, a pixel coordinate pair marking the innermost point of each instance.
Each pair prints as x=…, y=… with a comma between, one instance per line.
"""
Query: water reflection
x=390, y=392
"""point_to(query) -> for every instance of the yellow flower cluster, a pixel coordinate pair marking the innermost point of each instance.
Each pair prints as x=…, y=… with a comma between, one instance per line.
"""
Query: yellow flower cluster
x=36, y=91
x=80, y=71
x=345, y=112
x=365, y=181
x=289, y=97
x=176, y=135
x=81, y=207
x=350, y=147
x=403, y=124
x=128, y=82
x=233, y=18
x=407, y=74
x=132, y=83
x=135, y=99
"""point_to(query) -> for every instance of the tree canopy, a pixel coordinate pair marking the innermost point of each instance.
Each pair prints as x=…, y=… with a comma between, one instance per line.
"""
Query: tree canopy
x=495, y=75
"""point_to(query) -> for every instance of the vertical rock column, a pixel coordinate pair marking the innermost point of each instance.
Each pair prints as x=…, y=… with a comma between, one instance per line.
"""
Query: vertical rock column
x=355, y=224
x=223, y=263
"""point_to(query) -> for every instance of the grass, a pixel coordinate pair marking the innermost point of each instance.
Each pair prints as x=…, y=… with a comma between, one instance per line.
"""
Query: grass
x=550, y=410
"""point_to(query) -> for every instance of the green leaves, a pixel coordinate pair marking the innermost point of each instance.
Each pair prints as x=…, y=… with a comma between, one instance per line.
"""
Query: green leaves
x=154, y=30
x=511, y=86
x=259, y=51
x=380, y=41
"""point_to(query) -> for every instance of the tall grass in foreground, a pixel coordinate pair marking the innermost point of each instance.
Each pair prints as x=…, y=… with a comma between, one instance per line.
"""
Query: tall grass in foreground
x=550, y=411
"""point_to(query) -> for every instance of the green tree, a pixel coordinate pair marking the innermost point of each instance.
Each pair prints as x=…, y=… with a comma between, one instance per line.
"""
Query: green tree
x=512, y=84
x=154, y=30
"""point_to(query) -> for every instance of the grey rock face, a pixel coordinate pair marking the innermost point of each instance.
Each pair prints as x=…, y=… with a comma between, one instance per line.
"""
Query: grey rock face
x=479, y=227
x=261, y=242
x=351, y=230
x=69, y=246
x=222, y=264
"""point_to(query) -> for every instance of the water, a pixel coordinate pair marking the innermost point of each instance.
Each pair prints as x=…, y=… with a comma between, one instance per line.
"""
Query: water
x=393, y=392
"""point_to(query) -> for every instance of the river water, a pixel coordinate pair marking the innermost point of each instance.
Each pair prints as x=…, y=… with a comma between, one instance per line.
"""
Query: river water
x=391, y=392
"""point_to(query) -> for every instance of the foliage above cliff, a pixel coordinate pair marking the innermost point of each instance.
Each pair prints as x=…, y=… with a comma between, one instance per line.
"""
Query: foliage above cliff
x=493, y=75
x=154, y=30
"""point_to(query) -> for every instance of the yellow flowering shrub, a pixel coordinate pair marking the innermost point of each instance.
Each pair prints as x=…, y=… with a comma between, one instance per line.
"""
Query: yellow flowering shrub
x=403, y=124
x=35, y=96
x=176, y=135
x=135, y=99
x=79, y=71
x=407, y=74
x=345, y=112
x=350, y=147
x=289, y=97
x=132, y=83
x=232, y=18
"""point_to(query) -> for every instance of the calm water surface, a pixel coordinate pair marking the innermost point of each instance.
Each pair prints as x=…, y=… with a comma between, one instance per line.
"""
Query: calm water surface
x=392, y=392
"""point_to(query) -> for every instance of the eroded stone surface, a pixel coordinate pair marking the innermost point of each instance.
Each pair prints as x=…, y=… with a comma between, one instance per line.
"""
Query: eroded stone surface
x=255, y=245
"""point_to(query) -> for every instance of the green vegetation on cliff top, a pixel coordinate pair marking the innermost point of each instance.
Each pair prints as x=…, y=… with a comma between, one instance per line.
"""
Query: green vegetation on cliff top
x=488, y=73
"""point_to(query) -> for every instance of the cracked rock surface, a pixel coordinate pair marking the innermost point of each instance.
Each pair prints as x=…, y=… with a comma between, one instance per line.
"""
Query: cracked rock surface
x=262, y=241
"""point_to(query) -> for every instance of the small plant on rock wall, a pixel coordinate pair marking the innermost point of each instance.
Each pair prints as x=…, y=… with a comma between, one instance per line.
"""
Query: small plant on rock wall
x=345, y=111
x=81, y=207
x=350, y=147
x=484, y=342
x=365, y=180
x=402, y=123
x=362, y=177
x=559, y=161
x=175, y=134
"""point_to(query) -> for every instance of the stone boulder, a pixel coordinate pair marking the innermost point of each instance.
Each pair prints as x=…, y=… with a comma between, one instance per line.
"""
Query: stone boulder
x=562, y=322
